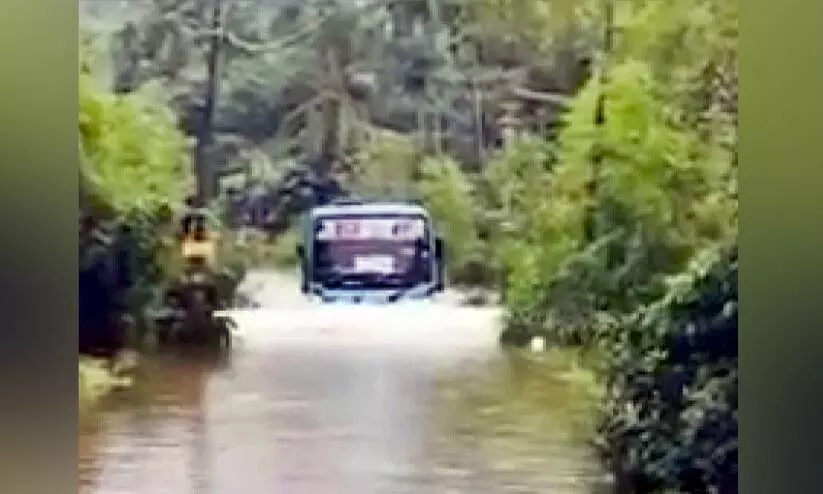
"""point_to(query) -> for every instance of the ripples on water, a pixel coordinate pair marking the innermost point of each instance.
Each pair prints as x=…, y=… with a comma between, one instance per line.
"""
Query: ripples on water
x=402, y=399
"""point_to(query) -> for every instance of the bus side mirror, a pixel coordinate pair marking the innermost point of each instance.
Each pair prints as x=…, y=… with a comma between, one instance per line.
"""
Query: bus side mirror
x=440, y=256
x=301, y=261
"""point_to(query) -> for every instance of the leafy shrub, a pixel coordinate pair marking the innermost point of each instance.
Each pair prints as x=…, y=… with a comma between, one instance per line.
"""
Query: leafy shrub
x=135, y=159
x=280, y=252
x=671, y=408
x=386, y=167
x=661, y=197
x=446, y=192
x=665, y=203
x=134, y=171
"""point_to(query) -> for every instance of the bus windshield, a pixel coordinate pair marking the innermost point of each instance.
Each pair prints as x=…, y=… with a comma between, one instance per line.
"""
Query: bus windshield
x=373, y=252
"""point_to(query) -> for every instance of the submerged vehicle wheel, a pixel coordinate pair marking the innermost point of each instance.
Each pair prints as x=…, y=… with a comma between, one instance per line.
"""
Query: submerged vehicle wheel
x=223, y=326
x=164, y=331
x=163, y=336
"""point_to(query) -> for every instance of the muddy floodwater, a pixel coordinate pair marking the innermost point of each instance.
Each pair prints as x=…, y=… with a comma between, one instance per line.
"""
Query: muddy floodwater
x=412, y=398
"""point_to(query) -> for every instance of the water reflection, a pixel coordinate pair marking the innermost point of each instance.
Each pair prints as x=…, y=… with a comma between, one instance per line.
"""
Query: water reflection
x=342, y=421
x=144, y=440
x=317, y=407
x=517, y=425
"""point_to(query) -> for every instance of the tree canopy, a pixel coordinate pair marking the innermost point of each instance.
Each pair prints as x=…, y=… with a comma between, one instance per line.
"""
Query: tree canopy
x=133, y=155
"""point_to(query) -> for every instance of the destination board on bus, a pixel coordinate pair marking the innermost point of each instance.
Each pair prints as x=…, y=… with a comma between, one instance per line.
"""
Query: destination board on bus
x=381, y=229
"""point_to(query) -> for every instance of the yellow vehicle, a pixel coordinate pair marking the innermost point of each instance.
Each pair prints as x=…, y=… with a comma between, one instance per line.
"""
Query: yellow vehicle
x=194, y=296
x=205, y=249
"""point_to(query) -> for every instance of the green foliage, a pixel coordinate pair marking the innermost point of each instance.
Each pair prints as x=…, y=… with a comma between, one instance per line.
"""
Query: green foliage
x=134, y=156
x=671, y=407
x=665, y=196
x=446, y=192
x=528, y=20
x=134, y=173
x=664, y=192
x=519, y=185
x=93, y=382
x=517, y=181
x=386, y=167
x=96, y=379
x=280, y=252
x=658, y=170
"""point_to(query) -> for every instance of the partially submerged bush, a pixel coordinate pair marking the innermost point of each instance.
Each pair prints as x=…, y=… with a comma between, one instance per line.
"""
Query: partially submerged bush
x=671, y=408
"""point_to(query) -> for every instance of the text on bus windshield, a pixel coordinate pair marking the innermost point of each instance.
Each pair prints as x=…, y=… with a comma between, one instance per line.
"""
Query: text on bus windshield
x=393, y=250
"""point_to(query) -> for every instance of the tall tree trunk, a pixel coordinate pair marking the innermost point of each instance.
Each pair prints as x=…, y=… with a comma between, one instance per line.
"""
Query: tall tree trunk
x=204, y=149
x=330, y=146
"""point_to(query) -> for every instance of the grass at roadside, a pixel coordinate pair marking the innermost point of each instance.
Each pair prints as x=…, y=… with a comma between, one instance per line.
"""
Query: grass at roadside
x=577, y=370
x=96, y=380
x=278, y=253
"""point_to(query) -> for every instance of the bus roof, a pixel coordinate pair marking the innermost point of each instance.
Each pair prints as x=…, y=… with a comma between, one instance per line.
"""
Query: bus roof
x=369, y=208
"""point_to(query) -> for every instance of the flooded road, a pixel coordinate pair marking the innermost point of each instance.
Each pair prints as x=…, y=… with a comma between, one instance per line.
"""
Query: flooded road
x=337, y=400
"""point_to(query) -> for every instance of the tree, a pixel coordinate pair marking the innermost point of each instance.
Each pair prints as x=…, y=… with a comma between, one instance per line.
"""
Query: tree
x=655, y=291
x=135, y=171
x=134, y=158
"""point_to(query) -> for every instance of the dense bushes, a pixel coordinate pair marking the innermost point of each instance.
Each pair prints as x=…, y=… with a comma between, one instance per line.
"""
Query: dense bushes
x=447, y=194
x=277, y=253
x=655, y=291
x=671, y=410
x=662, y=196
x=134, y=158
x=134, y=172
